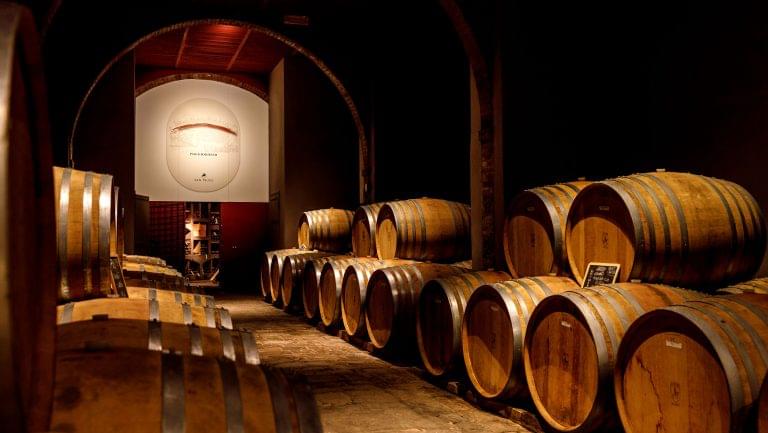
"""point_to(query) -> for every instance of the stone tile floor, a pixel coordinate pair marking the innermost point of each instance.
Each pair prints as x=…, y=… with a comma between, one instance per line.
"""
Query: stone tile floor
x=355, y=391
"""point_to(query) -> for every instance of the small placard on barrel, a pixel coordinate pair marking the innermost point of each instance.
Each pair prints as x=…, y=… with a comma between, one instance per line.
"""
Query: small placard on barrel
x=118, y=282
x=601, y=273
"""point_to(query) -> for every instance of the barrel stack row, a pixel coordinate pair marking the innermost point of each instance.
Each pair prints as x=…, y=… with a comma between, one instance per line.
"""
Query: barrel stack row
x=579, y=354
x=641, y=355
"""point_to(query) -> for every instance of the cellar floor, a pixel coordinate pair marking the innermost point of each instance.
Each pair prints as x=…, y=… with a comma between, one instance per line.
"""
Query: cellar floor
x=355, y=391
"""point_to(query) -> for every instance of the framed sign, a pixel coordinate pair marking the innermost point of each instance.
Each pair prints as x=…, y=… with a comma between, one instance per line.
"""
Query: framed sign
x=601, y=273
x=118, y=282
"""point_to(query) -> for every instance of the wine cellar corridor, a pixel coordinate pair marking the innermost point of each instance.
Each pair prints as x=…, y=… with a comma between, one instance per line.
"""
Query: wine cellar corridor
x=356, y=391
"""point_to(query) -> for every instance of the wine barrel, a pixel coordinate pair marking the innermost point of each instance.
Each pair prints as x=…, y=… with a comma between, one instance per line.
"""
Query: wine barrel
x=423, y=229
x=364, y=230
x=697, y=366
x=266, y=265
x=570, y=350
x=28, y=285
x=534, y=230
x=758, y=285
x=171, y=296
x=293, y=281
x=276, y=273
x=326, y=230
x=329, y=288
x=493, y=331
x=154, y=276
x=353, y=287
x=762, y=408
x=392, y=297
x=238, y=346
x=310, y=293
x=672, y=228
x=438, y=318
x=145, y=260
x=125, y=308
x=83, y=212
x=153, y=392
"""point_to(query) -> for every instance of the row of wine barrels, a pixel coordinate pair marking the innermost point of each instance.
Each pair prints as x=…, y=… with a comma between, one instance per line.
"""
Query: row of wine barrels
x=28, y=285
x=571, y=345
x=143, y=309
x=698, y=366
x=364, y=230
x=672, y=228
x=238, y=346
x=326, y=230
x=353, y=291
x=158, y=392
x=534, y=230
x=329, y=288
x=292, y=279
x=758, y=285
x=493, y=331
x=276, y=272
x=266, y=270
x=171, y=296
x=423, y=229
x=146, y=260
x=438, y=318
x=392, y=298
x=83, y=203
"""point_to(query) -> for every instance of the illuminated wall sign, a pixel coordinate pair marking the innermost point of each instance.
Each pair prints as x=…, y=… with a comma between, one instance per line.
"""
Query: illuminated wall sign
x=203, y=145
x=202, y=140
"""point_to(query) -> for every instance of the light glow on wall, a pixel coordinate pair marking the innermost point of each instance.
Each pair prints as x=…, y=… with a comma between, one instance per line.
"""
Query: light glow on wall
x=200, y=140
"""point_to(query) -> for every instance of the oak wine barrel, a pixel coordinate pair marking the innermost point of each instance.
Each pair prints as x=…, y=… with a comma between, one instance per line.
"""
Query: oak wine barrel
x=758, y=285
x=326, y=230
x=329, y=288
x=570, y=350
x=697, y=366
x=238, y=346
x=364, y=230
x=311, y=288
x=276, y=274
x=392, y=298
x=493, y=330
x=353, y=288
x=153, y=392
x=28, y=285
x=83, y=213
x=672, y=228
x=293, y=281
x=171, y=296
x=438, y=318
x=534, y=230
x=144, y=309
x=266, y=266
x=423, y=229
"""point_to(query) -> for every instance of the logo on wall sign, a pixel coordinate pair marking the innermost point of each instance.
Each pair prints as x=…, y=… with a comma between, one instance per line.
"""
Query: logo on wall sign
x=203, y=145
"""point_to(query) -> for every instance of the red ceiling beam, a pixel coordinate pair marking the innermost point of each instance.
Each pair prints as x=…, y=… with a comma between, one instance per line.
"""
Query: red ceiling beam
x=181, y=47
x=239, y=48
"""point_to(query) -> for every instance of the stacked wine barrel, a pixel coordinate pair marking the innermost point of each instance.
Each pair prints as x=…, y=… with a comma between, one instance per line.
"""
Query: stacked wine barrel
x=699, y=366
x=534, y=230
x=668, y=228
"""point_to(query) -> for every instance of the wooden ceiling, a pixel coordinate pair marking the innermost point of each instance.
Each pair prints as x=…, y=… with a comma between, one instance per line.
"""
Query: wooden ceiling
x=212, y=48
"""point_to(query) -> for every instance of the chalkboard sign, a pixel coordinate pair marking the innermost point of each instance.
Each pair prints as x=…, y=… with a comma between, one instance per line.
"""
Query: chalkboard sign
x=601, y=273
x=118, y=282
